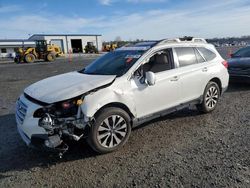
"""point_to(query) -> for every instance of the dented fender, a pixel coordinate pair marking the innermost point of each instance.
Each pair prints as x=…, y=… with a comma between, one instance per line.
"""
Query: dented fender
x=96, y=100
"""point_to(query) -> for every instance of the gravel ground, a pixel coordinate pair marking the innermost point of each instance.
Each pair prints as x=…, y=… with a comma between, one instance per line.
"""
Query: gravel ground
x=183, y=149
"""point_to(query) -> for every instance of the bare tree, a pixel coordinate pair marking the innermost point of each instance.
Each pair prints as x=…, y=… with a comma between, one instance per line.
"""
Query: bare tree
x=118, y=39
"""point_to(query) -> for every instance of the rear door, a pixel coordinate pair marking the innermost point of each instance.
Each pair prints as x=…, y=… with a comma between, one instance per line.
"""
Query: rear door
x=193, y=73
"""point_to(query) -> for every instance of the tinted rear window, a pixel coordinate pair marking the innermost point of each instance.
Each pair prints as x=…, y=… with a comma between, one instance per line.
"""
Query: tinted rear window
x=207, y=54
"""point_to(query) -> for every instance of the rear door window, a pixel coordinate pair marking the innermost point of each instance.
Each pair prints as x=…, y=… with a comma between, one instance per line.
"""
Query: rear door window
x=199, y=58
x=207, y=54
x=186, y=56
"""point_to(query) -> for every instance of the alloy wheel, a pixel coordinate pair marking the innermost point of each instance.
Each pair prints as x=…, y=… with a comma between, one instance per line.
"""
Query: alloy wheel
x=112, y=131
x=212, y=97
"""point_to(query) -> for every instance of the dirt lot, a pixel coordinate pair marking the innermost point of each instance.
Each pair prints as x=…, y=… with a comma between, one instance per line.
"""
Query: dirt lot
x=183, y=149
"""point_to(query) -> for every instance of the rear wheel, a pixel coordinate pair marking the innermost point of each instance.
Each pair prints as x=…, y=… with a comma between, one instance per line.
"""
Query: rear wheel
x=29, y=58
x=110, y=131
x=50, y=57
x=210, y=98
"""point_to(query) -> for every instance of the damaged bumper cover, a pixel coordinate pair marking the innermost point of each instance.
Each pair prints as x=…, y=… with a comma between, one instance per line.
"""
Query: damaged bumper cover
x=44, y=142
x=47, y=132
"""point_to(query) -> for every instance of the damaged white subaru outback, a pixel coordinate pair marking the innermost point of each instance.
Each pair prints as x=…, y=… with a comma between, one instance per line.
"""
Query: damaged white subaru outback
x=119, y=91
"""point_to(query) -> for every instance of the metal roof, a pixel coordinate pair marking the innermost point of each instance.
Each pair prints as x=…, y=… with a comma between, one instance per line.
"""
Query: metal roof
x=14, y=40
x=16, y=43
x=65, y=35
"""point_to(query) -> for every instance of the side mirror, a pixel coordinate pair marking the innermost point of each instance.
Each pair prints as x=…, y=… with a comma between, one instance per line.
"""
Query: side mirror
x=150, y=78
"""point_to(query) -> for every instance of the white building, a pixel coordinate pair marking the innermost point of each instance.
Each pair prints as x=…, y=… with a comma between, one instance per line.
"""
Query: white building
x=8, y=46
x=70, y=43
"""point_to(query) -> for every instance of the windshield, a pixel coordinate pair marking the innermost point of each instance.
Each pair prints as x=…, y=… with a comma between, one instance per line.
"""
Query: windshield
x=244, y=52
x=114, y=63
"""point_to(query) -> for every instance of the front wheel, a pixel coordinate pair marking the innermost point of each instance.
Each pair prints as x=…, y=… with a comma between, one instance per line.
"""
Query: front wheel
x=50, y=57
x=210, y=98
x=110, y=131
x=29, y=58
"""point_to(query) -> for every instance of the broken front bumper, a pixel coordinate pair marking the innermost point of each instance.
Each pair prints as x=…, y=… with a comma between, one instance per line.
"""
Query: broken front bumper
x=38, y=141
x=27, y=126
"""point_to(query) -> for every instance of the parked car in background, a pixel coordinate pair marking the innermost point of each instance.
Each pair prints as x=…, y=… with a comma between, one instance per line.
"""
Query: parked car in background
x=119, y=91
x=239, y=65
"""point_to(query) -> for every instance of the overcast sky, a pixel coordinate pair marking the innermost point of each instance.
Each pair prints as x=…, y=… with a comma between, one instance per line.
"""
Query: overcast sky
x=129, y=19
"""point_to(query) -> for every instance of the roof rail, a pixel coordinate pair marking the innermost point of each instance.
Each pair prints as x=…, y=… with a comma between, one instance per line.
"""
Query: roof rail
x=201, y=40
x=185, y=39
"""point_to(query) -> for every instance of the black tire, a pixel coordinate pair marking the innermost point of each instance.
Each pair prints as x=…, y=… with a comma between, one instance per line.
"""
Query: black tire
x=50, y=57
x=210, y=98
x=16, y=60
x=113, y=140
x=29, y=58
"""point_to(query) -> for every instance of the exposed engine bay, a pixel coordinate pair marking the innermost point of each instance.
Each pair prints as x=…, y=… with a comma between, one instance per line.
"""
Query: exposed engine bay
x=62, y=121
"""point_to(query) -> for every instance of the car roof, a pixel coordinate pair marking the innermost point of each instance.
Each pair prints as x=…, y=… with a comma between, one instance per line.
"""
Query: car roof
x=247, y=47
x=176, y=42
x=146, y=43
x=140, y=46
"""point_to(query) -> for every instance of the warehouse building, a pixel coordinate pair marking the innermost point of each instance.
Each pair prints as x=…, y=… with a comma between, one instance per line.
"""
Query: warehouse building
x=70, y=43
x=8, y=46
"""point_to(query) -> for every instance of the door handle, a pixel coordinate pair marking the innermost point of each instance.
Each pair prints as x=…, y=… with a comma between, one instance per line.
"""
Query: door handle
x=174, y=79
x=205, y=69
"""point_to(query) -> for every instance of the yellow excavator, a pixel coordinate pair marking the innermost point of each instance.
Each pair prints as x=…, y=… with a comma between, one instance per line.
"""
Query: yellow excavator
x=41, y=51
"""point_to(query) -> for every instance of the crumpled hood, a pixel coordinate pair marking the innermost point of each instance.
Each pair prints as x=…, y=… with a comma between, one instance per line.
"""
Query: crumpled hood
x=66, y=86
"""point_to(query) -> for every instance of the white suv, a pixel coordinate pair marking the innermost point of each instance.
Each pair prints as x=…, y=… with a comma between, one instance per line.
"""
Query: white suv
x=119, y=91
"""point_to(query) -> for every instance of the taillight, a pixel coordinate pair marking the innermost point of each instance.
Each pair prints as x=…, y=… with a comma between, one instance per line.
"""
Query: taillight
x=225, y=63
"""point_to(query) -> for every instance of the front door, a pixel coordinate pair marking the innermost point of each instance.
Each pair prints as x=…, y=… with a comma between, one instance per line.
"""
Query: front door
x=166, y=91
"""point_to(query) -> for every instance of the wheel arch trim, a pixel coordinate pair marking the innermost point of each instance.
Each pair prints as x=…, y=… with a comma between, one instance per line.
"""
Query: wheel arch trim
x=217, y=81
x=117, y=105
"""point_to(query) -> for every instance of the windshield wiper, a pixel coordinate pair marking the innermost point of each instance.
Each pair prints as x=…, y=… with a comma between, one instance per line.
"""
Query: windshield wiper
x=81, y=71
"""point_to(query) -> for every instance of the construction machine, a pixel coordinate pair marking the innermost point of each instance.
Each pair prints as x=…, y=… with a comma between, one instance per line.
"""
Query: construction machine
x=109, y=47
x=41, y=51
x=90, y=48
